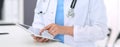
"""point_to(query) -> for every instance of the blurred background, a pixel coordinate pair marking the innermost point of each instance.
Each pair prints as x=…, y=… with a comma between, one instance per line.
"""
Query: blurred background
x=22, y=11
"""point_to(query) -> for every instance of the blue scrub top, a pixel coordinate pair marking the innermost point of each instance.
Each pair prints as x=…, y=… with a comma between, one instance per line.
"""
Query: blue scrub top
x=59, y=19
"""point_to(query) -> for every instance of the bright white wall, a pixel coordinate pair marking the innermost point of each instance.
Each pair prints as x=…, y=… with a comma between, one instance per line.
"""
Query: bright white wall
x=113, y=16
x=10, y=11
x=21, y=11
x=119, y=14
x=13, y=11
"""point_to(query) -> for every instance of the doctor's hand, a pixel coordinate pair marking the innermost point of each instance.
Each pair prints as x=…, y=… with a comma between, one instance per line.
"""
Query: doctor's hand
x=55, y=29
x=40, y=39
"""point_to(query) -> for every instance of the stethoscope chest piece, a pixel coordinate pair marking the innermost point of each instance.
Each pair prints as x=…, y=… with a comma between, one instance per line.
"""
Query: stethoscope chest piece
x=71, y=13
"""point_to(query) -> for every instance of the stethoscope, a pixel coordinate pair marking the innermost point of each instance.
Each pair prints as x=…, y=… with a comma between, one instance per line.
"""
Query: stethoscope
x=70, y=12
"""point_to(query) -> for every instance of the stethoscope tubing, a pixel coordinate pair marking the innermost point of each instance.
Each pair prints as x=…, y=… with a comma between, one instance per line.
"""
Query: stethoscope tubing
x=73, y=4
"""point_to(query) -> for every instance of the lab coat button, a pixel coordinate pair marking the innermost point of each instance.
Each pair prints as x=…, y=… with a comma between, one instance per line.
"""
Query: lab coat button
x=40, y=12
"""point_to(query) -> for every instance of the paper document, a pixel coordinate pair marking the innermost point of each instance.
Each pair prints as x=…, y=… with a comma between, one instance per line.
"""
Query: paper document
x=35, y=31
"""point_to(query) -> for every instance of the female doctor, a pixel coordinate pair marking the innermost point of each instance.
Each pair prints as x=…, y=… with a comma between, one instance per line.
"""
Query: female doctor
x=78, y=23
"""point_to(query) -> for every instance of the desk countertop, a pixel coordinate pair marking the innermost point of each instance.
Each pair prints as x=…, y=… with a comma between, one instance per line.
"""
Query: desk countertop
x=18, y=37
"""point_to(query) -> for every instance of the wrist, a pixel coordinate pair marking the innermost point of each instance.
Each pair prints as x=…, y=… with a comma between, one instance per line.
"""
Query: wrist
x=68, y=30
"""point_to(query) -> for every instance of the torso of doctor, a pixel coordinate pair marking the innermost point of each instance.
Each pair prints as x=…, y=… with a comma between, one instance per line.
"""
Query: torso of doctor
x=89, y=21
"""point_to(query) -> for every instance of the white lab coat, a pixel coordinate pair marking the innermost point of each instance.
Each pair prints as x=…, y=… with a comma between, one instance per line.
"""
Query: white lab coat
x=89, y=21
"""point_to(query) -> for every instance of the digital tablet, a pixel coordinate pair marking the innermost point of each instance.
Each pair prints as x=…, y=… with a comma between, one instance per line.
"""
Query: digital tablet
x=35, y=32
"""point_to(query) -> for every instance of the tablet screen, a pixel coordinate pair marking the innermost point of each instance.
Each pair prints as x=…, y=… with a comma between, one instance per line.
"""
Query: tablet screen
x=36, y=31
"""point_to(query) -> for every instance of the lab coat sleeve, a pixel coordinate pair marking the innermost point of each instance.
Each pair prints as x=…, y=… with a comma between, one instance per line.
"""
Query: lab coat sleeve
x=38, y=19
x=98, y=28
